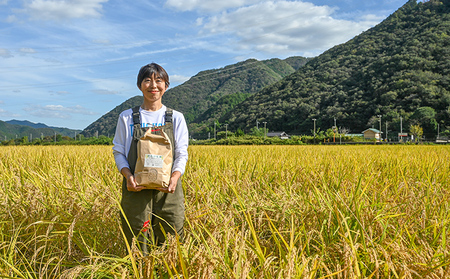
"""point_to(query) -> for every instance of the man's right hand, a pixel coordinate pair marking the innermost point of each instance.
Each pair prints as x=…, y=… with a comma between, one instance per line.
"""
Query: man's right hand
x=131, y=182
x=131, y=185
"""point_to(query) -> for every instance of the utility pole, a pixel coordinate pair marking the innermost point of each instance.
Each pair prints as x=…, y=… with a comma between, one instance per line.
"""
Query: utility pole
x=401, y=129
x=314, y=126
x=386, y=130
x=438, y=132
x=214, y=129
x=265, y=129
x=334, y=130
x=401, y=124
x=226, y=131
x=379, y=119
x=257, y=124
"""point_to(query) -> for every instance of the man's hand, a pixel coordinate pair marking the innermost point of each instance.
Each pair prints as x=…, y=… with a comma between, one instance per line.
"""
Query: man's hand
x=131, y=182
x=172, y=183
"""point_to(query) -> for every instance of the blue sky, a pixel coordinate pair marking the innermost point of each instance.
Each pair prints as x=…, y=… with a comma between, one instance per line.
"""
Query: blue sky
x=66, y=63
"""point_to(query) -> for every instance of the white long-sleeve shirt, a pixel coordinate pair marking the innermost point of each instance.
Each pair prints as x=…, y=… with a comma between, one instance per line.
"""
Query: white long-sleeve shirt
x=124, y=136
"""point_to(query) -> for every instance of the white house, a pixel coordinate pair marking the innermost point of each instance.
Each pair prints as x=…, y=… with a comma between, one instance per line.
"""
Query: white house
x=281, y=135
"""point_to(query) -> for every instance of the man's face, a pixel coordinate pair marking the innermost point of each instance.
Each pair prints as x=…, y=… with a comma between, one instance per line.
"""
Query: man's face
x=153, y=88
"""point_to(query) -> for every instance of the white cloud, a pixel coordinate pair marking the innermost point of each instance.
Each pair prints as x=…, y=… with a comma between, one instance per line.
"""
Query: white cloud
x=101, y=42
x=63, y=9
x=105, y=92
x=373, y=19
x=9, y=115
x=285, y=27
x=27, y=50
x=178, y=79
x=207, y=6
x=62, y=92
x=3, y=2
x=105, y=86
x=56, y=111
x=5, y=113
x=5, y=53
x=11, y=19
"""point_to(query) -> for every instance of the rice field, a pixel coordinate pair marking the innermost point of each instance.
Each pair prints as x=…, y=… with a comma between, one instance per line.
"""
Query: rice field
x=251, y=212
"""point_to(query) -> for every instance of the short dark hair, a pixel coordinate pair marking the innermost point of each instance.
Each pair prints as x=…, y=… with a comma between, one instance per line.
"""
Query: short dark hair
x=152, y=69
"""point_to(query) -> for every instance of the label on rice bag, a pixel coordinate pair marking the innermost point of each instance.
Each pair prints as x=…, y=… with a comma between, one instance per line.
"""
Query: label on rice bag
x=153, y=161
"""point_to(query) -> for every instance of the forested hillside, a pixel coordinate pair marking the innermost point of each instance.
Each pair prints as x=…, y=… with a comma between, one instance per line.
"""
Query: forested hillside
x=219, y=88
x=204, y=89
x=17, y=129
x=106, y=125
x=399, y=68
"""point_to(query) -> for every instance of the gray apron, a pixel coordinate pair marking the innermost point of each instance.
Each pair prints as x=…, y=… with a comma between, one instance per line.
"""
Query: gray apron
x=165, y=212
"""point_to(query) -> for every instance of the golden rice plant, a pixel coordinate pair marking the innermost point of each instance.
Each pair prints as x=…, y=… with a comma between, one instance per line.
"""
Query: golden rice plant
x=251, y=212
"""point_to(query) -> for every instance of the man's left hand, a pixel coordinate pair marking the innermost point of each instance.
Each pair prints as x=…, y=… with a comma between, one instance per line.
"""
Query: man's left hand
x=172, y=183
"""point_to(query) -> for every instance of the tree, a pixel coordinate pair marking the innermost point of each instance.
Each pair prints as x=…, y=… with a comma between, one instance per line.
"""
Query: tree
x=239, y=132
x=224, y=134
x=416, y=131
x=425, y=117
x=259, y=132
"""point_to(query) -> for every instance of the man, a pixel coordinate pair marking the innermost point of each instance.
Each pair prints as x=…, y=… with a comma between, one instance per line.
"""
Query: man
x=162, y=208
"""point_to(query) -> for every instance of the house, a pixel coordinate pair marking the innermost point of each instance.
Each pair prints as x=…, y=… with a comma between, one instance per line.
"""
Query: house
x=372, y=133
x=354, y=135
x=281, y=135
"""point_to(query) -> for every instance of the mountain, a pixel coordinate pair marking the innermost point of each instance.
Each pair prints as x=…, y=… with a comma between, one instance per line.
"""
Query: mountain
x=106, y=124
x=27, y=123
x=228, y=85
x=399, y=68
x=396, y=73
x=201, y=91
x=19, y=128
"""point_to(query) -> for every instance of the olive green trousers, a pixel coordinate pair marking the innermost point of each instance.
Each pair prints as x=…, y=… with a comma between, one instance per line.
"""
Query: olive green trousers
x=165, y=212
